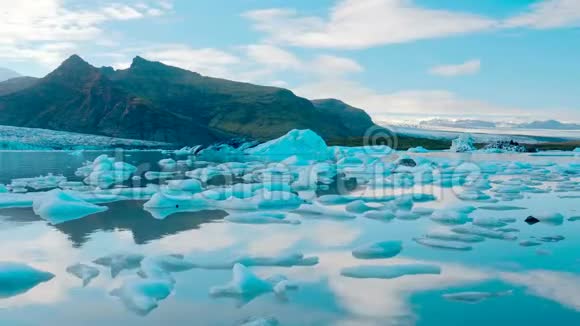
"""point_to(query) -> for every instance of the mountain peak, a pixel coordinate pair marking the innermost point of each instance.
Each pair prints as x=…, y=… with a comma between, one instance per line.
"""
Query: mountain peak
x=74, y=60
x=139, y=61
x=73, y=70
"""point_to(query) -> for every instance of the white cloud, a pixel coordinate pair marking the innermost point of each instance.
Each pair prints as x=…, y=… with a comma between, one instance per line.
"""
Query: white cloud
x=354, y=24
x=384, y=106
x=272, y=56
x=470, y=67
x=548, y=14
x=49, y=54
x=206, y=61
x=45, y=30
x=333, y=65
x=560, y=287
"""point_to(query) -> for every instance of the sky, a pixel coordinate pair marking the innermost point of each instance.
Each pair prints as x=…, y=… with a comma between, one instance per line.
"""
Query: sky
x=499, y=60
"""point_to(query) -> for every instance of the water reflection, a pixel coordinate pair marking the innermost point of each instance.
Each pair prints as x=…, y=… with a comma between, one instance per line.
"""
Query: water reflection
x=124, y=216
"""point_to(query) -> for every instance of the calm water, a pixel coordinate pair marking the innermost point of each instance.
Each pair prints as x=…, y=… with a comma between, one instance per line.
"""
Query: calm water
x=545, y=279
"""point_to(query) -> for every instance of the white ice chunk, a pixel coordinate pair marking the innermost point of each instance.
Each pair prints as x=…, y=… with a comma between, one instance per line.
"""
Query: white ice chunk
x=418, y=149
x=358, y=206
x=450, y=236
x=303, y=143
x=17, y=278
x=189, y=185
x=85, y=272
x=143, y=295
x=435, y=243
x=285, y=260
x=389, y=272
x=167, y=164
x=266, y=199
x=57, y=207
x=162, y=266
x=244, y=282
x=383, y=249
x=486, y=233
x=463, y=144
x=550, y=218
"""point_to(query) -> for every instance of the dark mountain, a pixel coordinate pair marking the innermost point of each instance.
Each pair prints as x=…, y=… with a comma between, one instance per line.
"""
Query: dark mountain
x=154, y=101
x=16, y=84
x=350, y=118
x=6, y=74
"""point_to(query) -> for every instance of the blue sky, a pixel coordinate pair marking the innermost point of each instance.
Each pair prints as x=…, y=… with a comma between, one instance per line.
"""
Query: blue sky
x=511, y=60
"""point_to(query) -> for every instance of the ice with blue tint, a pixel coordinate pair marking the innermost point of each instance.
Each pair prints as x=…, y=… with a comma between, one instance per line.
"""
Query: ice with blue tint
x=442, y=244
x=295, y=142
x=167, y=241
x=390, y=271
x=283, y=260
x=246, y=283
x=384, y=249
x=57, y=207
x=142, y=295
x=17, y=278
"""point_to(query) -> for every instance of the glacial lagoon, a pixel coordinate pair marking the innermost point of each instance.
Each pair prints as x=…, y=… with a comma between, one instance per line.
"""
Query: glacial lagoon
x=371, y=237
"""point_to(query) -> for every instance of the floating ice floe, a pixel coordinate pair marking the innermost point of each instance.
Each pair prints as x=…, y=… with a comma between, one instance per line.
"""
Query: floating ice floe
x=58, y=207
x=491, y=222
x=442, y=244
x=389, y=272
x=358, y=206
x=246, y=283
x=418, y=149
x=173, y=199
x=143, y=295
x=47, y=182
x=104, y=172
x=10, y=200
x=475, y=297
x=161, y=267
x=501, y=208
x=263, y=218
x=18, y=278
x=84, y=272
x=484, y=232
x=381, y=215
x=154, y=175
x=383, y=249
x=450, y=236
x=120, y=262
x=266, y=199
x=323, y=211
x=450, y=216
x=167, y=164
x=189, y=185
x=285, y=260
x=303, y=143
x=463, y=143
x=335, y=199
x=549, y=218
